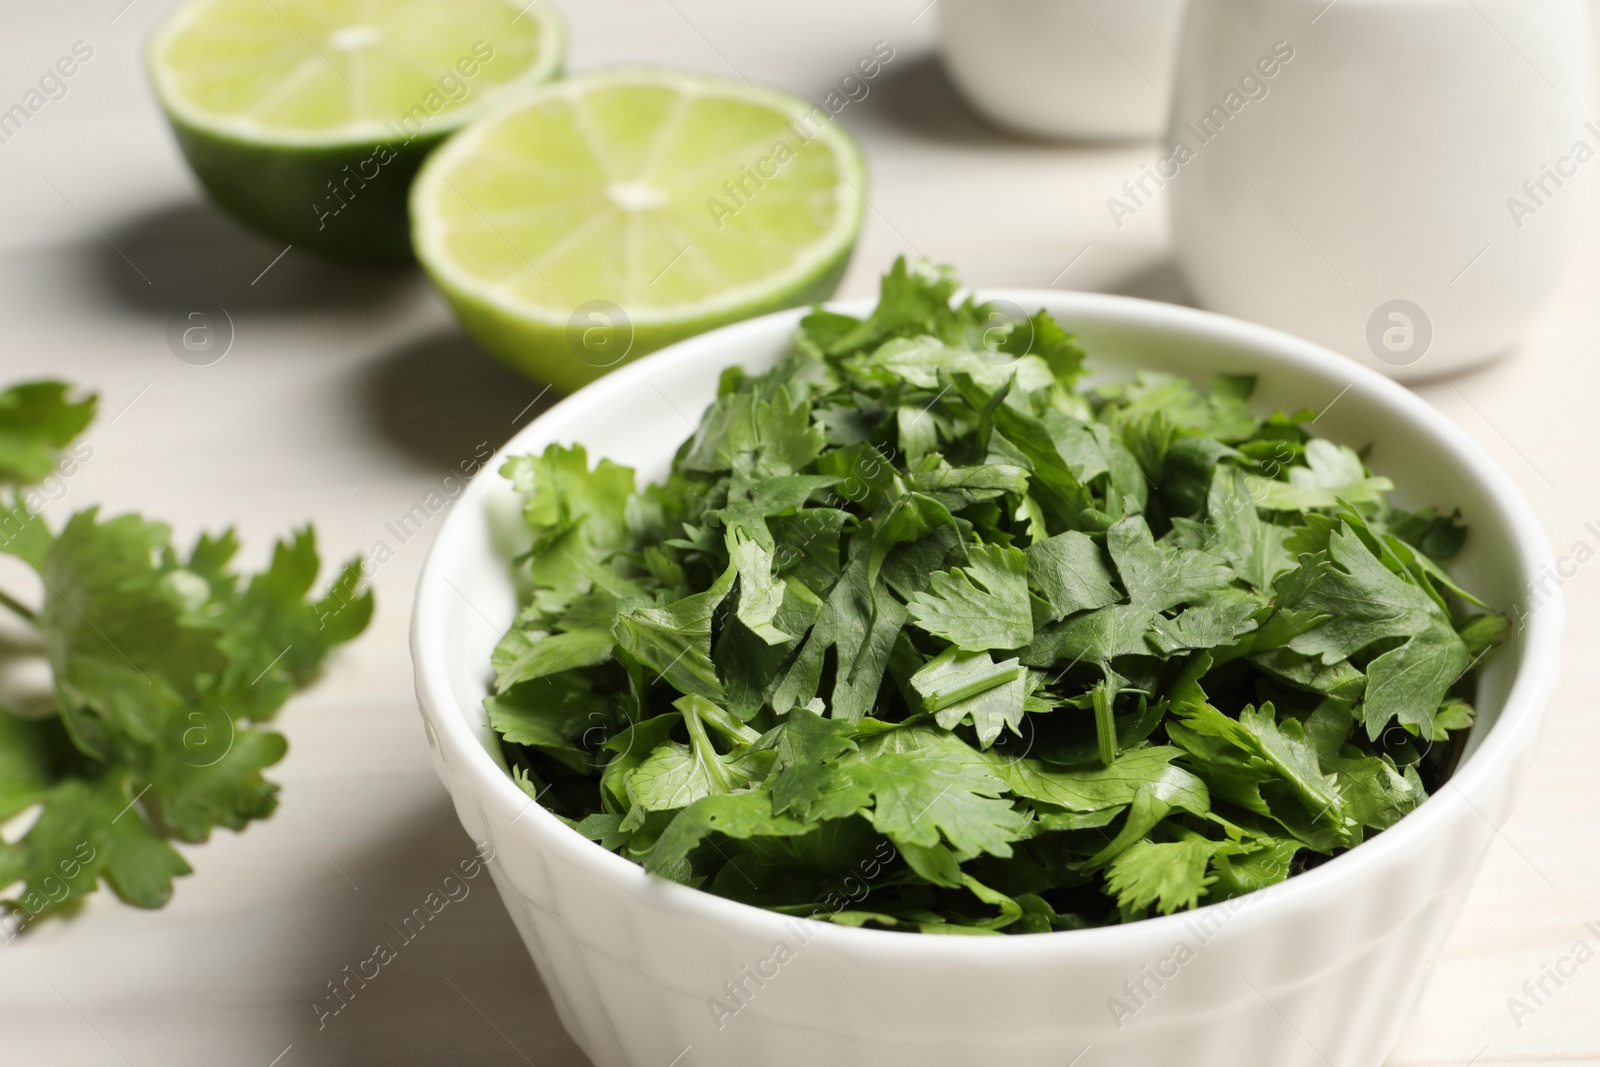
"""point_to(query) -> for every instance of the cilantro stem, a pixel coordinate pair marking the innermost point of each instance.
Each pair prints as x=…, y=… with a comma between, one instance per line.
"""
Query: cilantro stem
x=704, y=751
x=1105, y=724
x=1003, y=674
x=17, y=606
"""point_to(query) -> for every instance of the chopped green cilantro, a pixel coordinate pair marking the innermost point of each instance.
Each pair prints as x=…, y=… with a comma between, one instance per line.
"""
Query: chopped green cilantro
x=1066, y=655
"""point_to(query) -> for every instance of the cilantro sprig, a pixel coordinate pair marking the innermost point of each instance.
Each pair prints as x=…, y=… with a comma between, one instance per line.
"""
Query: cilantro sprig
x=167, y=668
x=1069, y=655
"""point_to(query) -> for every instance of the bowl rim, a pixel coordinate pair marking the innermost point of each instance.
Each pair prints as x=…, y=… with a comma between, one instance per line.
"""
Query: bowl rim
x=1514, y=732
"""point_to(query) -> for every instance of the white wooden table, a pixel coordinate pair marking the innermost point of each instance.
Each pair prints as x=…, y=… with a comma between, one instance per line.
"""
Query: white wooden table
x=348, y=395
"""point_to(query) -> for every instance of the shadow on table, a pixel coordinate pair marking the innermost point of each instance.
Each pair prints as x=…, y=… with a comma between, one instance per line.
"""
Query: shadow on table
x=459, y=988
x=1159, y=280
x=445, y=401
x=165, y=259
x=915, y=94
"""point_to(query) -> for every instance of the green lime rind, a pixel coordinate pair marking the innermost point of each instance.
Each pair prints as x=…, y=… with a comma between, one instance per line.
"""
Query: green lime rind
x=558, y=355
x=551, y=334
x=341, y=191
x=294, y=197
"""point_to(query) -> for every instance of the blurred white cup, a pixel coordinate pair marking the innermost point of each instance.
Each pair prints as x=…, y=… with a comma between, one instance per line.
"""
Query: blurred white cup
x=1407, y=188
x=1076, y=69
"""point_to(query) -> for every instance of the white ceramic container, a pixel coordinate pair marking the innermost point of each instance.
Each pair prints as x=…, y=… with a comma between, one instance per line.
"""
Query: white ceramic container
x=1408, y=190
x=1074, y=69
x=1321, y=971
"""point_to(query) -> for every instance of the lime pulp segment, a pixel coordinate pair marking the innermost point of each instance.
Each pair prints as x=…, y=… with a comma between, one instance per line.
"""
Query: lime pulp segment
x=675, y=197
x=332, y=71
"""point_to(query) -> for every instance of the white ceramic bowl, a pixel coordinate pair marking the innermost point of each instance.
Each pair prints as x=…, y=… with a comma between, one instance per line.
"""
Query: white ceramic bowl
x=1073, y=69
x=1321, y=971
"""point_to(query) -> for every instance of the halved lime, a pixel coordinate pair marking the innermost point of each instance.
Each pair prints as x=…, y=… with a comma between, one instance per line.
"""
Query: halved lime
x=618, y=211
x=308, y=118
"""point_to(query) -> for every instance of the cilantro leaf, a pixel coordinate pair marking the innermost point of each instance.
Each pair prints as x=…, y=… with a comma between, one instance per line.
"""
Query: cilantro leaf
x=674, y=640
x=1170, y=875
x=1245, y=868
x=1088, y=790
x=1253, y=547
x=927, y=785
x=1408, y=684
x=1159, y=576
x=856, y=628
x=1333, y=473
x=980, y=606
x=1279, y=746
x=1069, y=572
x=165, y=666
x=1095, y=637
x=524, y=655
x=38, y=420
x=1365, y=602
x=32, y=752
x=553, y=714
x=807, y=745
x=1220, y=622
x=740, y=816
